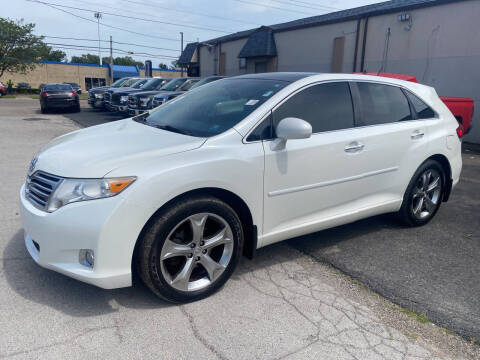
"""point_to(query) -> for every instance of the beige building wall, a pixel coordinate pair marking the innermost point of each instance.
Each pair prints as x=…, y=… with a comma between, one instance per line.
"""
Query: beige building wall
x=57, y=73
x=45, y=73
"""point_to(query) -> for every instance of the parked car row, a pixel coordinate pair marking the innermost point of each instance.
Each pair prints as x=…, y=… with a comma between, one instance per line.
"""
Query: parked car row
x=134, y=96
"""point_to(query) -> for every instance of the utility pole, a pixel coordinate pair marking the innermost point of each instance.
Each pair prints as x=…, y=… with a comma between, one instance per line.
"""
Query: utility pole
x=181, y=48
x=111, y=60
x=98, y=16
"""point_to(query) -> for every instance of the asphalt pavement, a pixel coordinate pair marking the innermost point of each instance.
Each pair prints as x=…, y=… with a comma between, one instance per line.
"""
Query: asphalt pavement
x=282, y=305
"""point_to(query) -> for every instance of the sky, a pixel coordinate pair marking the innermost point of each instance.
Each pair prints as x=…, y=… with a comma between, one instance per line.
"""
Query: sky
x=159, y=38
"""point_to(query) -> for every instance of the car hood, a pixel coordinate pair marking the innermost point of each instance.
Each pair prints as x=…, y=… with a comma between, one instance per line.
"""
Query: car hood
x=125, y=91
x=147, y=93
x=98, y=90
x=95, y=151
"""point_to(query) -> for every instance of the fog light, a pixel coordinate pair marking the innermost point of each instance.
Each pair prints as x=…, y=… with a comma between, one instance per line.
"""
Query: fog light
x=86, y=257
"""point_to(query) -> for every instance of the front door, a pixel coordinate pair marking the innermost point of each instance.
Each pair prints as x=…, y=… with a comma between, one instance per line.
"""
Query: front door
x=314, y=177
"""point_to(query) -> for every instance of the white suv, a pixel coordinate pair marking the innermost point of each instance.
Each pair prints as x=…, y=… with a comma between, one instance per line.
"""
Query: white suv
x=178, y=194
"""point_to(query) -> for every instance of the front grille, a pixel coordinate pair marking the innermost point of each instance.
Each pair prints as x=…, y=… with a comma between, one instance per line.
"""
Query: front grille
x=115, y=99
x=132, y=101
x=39, y=188
x=158, y=102
x=106, y=96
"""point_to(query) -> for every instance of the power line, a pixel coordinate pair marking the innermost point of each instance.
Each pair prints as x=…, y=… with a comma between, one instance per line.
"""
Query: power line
x=107, y=41
x=194, y=13
x=317, y=7
x=134, y=17
x=83, y=47
x=272, y=7
x=111, y=26
x=309, y=3
x=68, y=47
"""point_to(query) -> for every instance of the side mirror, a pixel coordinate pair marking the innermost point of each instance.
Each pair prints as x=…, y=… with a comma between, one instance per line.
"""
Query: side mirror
x=288, y=129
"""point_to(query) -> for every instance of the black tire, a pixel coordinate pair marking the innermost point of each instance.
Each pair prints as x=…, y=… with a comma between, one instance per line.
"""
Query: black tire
x=43, y=109
x=407, y=214
x=151, y=243
x=76, y=108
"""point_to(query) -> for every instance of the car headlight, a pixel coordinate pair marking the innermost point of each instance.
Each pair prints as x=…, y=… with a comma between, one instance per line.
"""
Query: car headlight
x=73, y=190
x=144, y=101
x=123, y=99
x=99, y=96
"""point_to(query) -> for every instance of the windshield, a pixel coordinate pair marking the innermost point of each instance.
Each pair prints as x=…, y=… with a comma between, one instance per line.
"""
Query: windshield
x=153, y=84
x=187, y=85
x=58, y=87
x=73, y=84
x=173, y=84
x=129, y=82
x=119, y=82
x=138, y=84
x=214, y=108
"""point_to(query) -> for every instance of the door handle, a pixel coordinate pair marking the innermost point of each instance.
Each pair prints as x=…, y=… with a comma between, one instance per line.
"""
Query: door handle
x=417, y=134
x=354, y=147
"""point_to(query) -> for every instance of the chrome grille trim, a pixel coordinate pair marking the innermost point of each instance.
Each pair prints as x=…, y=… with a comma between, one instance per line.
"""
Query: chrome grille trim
x=39, y=187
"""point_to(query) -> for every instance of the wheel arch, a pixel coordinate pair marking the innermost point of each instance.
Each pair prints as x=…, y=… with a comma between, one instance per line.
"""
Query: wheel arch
x=230, y=198
x=443, y=161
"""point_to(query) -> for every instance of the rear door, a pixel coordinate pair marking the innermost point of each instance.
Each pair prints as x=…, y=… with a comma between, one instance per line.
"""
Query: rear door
x=394, y=140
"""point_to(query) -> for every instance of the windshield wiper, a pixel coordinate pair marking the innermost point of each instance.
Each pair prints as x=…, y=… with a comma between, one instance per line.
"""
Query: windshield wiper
x=172, y=129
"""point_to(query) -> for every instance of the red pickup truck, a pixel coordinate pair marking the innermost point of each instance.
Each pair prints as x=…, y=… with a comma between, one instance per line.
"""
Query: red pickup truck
x=461, y=107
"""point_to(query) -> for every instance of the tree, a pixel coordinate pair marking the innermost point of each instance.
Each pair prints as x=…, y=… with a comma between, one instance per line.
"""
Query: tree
x=173, y=64
x=20, y=50
x=163, y=66
x=86, y=59
x=127, y=60
x=47, y=53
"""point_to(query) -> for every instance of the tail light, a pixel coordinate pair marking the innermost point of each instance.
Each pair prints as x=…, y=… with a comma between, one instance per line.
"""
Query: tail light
x=72, y=94
x=44, y=94
x=460, y=131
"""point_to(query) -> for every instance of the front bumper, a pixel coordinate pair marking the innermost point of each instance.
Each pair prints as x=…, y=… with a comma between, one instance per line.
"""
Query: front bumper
x=119, y=108
x=136, y=111
x=84, y=225
x=95, y=103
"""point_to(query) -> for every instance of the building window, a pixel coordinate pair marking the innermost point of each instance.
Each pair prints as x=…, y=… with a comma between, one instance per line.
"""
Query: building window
x=91, y=83
x=242, y=63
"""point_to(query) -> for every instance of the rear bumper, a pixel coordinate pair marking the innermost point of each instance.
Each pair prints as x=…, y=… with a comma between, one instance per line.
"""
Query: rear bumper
x=61, y=104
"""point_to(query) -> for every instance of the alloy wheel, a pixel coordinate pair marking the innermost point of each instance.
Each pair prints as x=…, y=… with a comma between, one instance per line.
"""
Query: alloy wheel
x=196, y=252
x=427, y=194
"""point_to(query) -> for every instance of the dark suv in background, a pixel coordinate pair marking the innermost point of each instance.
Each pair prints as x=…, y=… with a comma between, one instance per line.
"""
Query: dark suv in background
x=163, y=97
x=141, y=102
x=95, y=95
x=116, y=99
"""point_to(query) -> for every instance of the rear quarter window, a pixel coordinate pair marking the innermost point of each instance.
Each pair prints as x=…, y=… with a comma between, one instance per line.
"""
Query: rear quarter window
x=422, y=110
x=382, y=104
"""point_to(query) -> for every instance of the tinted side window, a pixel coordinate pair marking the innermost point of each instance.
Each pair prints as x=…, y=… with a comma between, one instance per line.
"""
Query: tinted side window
x=382, y=104
x=262, y=131
x=326, y=107
x=423, y=110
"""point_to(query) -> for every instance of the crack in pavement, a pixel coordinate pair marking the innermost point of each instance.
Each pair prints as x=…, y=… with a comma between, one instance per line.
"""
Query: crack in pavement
x=59, y=343
x=199, y=337
x=339, y=322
